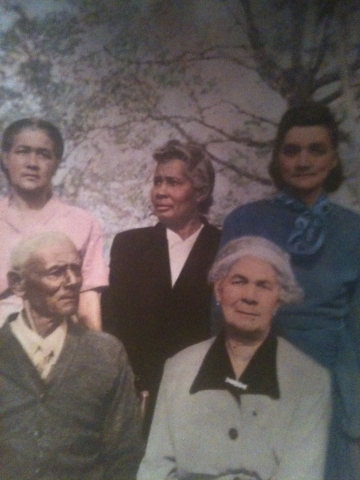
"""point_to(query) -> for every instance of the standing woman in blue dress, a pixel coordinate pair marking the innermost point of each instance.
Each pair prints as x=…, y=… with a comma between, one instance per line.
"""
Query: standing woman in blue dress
x=324, y=242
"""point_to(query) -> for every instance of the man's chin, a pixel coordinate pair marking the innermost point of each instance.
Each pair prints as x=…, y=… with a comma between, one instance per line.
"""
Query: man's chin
x=67, y=310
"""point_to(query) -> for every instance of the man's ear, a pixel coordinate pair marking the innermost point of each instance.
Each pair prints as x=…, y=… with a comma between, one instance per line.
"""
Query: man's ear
x=16, y=283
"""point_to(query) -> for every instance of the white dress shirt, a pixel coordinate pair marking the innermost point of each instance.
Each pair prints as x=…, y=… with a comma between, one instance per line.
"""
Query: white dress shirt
x=43, y=352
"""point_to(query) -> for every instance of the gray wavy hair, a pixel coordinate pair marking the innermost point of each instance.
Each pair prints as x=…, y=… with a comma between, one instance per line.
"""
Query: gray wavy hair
x=198, y=166
x=258, y=247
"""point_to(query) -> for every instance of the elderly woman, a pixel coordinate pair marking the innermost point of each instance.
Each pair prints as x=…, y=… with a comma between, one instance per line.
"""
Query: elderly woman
x=245, y=405
x=31, y=153
x=158, y=300
x=323, y=240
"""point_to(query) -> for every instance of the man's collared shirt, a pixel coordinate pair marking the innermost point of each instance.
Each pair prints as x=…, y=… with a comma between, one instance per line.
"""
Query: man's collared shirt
x=43, y=352
x=259, y=377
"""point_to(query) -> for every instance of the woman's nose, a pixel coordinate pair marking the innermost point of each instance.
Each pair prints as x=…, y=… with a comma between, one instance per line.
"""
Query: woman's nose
x=161, y=189
x=304, y=157
x=32, y=160
x=249, y=294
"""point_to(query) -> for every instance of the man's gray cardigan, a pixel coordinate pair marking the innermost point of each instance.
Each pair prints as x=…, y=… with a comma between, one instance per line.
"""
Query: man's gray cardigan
x=82, y=423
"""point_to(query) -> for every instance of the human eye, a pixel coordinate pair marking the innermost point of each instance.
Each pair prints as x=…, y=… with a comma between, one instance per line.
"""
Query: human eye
x=290, y=149
x=173, y=182
x=238, y=280
x=56, y=272
x=44, y=153
x=265, y=285
x=22, y=150
x=76, y=269
x=157, y=181
x=318, y=149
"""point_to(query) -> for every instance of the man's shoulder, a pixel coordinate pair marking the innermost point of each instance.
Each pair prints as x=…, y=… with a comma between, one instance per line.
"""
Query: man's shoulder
x=103, y=346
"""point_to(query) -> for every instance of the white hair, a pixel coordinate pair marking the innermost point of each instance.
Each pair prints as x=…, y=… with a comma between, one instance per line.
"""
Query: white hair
x=258, y=247
x=27, y=248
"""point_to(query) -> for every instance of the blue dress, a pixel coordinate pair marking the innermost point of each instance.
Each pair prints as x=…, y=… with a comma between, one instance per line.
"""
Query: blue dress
x=327, y=324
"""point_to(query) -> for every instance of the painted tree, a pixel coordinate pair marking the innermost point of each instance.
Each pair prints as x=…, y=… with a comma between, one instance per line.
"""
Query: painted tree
x=120, y=78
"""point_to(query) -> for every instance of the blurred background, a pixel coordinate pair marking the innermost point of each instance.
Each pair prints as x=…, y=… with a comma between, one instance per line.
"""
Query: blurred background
x=121, y=77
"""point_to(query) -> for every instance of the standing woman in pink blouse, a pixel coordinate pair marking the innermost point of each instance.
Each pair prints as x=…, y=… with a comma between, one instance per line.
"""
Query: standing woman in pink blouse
x=31, y=152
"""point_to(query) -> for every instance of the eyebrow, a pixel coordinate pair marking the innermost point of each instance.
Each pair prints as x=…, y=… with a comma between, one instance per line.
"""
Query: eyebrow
x=37, y=149
x=62, y=266
x=169, y=177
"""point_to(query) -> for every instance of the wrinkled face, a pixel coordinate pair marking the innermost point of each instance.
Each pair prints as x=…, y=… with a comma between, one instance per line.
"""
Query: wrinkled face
x=306, y=158
x=52, y=281
x=31, y=161
x=249, y=297
x=173, y=195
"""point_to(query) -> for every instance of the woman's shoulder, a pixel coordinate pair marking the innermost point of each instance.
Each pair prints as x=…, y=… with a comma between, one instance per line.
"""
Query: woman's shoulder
x=71, y=213
x=139, y=235
x=345, y=214
x=344, y=225
x=296, y=366
x=258, y=207
x=189, y=357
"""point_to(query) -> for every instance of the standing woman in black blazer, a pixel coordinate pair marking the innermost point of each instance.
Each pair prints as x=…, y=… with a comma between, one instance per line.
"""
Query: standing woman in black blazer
x=158, y=301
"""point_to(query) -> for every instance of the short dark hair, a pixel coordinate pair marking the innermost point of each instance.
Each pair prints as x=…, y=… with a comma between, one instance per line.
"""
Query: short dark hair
x=33, y=124
x=307, y=115
x=198, y=165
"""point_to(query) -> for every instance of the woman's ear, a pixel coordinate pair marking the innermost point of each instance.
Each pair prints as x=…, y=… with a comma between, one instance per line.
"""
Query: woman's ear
x=218, y=290
x=4, y=161
x=201, y=194
x=16, y=283
x=335, y=160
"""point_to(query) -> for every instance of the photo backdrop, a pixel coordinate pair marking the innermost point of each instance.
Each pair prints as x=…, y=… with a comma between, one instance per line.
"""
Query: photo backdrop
x=121, y=77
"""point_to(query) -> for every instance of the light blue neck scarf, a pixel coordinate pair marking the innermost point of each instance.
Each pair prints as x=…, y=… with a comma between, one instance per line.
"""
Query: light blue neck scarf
x=309, y=231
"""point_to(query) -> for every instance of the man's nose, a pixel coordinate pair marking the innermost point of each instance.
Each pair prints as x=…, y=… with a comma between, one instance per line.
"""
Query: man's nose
x=72, y=278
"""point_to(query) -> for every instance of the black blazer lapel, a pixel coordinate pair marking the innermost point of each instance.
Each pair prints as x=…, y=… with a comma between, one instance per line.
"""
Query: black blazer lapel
x=160, y=251
x=200, y=258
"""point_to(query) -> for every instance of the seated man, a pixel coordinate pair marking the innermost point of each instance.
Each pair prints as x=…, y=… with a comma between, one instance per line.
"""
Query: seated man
x=68, y=406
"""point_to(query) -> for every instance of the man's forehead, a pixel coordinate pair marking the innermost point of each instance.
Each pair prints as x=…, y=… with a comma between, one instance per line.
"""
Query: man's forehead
x=55, y=255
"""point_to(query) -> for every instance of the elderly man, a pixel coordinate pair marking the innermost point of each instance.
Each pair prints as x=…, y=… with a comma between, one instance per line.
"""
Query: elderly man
x=68, y=406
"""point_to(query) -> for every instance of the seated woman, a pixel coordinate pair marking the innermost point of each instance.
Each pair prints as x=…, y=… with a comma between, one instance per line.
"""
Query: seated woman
x=246, y=404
